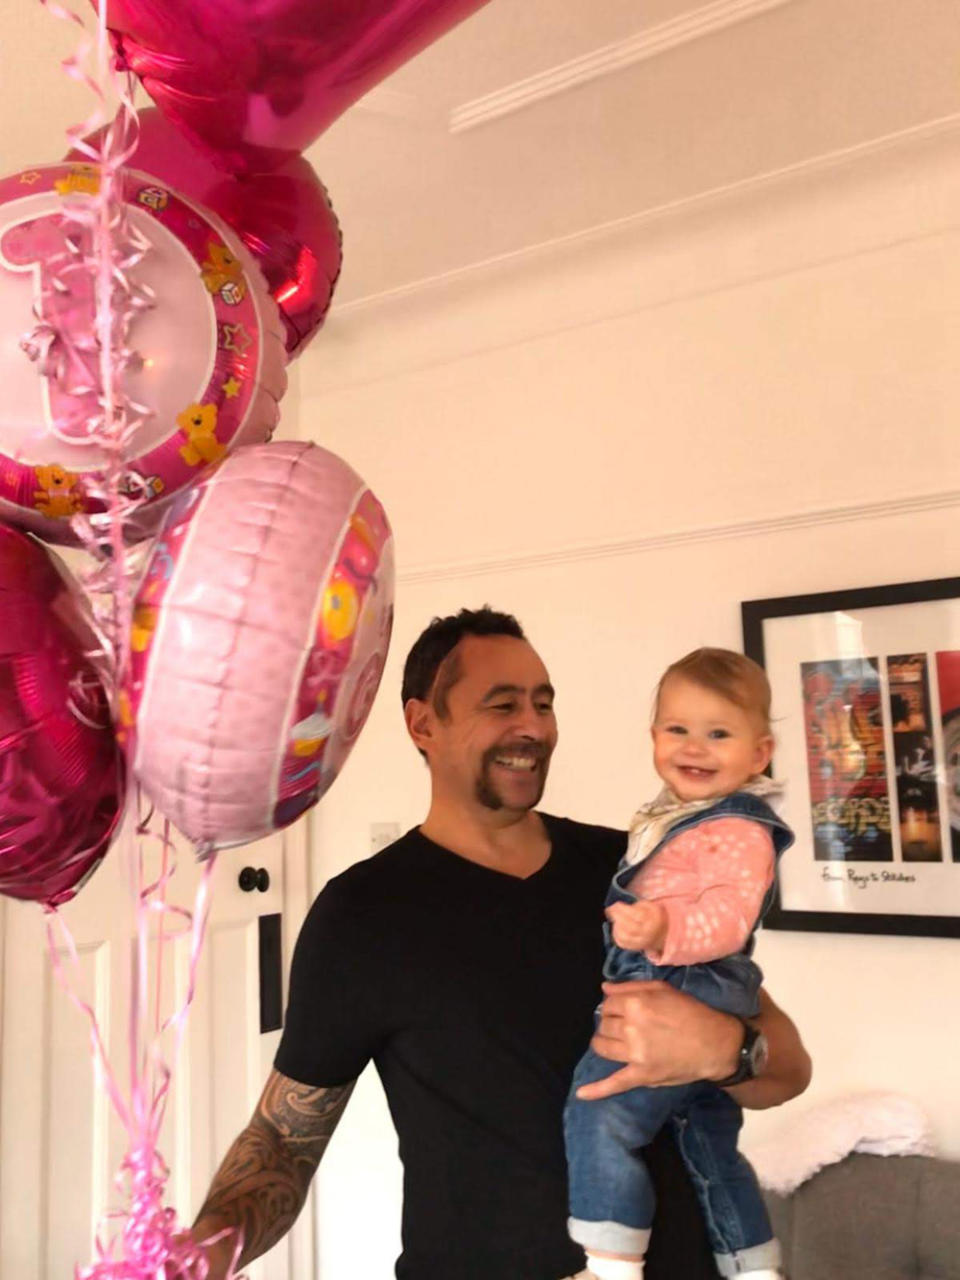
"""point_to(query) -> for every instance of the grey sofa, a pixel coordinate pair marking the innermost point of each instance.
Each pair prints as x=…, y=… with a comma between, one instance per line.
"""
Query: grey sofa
x=873, y=1218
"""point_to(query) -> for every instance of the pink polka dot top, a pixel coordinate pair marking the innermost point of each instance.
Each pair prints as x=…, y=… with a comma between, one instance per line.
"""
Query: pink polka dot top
x=712, y=879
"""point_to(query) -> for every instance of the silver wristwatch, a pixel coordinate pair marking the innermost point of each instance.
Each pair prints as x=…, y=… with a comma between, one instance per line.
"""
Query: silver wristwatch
x=752, y=1060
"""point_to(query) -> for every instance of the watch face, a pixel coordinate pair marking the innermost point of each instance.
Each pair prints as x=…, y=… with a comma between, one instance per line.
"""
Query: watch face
x=759, y=1055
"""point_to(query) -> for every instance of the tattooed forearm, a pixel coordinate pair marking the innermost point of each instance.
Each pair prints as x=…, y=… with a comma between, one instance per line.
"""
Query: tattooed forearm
x=262, y=1183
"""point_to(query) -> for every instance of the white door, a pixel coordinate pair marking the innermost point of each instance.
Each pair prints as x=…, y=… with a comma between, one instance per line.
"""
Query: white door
x=60, y=1145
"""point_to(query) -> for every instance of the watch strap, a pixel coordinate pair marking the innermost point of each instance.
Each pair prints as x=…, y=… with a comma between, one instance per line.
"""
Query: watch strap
x=744, y=1069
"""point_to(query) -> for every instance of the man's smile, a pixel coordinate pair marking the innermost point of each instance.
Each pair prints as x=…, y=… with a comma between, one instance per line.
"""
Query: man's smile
x=520, y=763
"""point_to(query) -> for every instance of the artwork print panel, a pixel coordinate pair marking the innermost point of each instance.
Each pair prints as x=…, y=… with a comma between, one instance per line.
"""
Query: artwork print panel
x=948, y=681
x=911, y=720
x=846, y=760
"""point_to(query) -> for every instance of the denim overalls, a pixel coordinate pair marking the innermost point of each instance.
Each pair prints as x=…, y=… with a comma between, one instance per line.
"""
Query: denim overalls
x=611, y=1197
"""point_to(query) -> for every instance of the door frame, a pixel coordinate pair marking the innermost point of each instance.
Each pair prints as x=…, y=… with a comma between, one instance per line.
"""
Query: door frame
x=297, y=896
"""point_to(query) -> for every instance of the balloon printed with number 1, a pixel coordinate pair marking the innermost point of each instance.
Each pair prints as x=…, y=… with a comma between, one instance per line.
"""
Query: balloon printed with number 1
x=210, y=366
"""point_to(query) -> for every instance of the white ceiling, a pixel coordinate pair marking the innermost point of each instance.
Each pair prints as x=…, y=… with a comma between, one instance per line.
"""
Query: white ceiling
x=580, y=113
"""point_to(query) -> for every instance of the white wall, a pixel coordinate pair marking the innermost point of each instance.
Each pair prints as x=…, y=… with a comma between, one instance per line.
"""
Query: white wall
x=620, y=439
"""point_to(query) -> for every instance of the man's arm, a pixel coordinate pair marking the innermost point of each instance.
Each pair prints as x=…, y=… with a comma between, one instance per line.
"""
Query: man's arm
x=667, y=1037
x=789, y=1069
x=262, y=1183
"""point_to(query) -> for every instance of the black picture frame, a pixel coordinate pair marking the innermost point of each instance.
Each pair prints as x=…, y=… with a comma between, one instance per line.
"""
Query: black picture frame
x=754, y=615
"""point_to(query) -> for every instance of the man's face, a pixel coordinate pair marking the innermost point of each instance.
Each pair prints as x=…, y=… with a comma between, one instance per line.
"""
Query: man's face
x=493, y=743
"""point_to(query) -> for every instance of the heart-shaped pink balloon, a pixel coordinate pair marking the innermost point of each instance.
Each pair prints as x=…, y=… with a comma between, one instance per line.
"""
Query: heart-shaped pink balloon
x=256, y=81
x=284, y=218
x=61, y=774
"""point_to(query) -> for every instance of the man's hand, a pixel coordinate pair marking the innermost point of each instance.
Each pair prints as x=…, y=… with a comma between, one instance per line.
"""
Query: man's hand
x=666, y=1037
x=638, y=926
x=218, y=1255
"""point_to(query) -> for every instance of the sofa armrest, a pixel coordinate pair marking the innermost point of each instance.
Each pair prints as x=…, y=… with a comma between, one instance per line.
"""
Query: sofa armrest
x=886, y=1217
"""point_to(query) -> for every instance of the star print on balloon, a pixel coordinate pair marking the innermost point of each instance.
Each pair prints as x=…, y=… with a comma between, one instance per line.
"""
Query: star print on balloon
x=234, y=338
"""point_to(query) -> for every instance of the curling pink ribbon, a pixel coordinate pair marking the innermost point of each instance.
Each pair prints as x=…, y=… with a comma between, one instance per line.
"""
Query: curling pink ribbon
x=88, y=301
x=147, y=1241
x=81, y=342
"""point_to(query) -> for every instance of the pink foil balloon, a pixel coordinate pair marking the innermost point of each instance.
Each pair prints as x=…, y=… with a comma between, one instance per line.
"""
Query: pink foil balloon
x=211, y=360
x=254, y=83
x=260, y=630
x=284, y=218
x=61, y=773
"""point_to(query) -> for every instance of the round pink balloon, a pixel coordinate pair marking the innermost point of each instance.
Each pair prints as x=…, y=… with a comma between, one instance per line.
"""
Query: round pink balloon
x=61, y=772
x=256, y=83
x=260, y=630
x=211, y=359
x=284, y=218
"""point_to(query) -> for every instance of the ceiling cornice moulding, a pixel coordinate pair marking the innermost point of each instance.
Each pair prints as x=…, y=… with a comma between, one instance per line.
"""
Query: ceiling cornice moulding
x=908, y=505
x=705, y=21
x=902, y=142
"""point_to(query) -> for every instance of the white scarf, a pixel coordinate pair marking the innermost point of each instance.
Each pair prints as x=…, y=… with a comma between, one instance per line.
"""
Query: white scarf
x=652, y=821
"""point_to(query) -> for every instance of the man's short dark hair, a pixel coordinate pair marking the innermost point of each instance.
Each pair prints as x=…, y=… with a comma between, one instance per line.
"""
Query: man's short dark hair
x=435, y=645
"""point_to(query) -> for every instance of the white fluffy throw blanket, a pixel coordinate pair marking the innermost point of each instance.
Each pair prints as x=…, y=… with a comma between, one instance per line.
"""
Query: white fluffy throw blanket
x=882, y=1124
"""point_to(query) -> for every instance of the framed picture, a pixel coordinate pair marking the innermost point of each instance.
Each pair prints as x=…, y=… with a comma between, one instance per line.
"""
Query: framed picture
x=866, y=706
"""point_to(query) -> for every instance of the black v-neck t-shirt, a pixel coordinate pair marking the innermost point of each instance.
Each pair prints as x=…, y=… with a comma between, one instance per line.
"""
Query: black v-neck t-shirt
x=473, y=993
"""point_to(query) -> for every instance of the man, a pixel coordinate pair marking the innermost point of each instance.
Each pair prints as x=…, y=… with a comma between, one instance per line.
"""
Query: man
x=465, y=962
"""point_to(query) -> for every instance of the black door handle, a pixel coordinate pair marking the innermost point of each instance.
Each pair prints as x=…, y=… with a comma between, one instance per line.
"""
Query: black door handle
x=251, y=878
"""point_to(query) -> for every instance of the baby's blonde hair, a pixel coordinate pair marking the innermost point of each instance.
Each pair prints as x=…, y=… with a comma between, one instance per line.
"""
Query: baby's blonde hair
x=737, y=678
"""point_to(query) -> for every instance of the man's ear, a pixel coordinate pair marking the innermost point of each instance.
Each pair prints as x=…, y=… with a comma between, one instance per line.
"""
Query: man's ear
x=419, y=718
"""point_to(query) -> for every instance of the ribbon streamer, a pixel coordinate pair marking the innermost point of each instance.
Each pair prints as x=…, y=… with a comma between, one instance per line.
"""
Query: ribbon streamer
x=142, y=1240
x=95, y=267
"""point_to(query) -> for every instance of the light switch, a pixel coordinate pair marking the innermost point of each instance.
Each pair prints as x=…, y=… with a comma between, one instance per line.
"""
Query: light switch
x=382, y=834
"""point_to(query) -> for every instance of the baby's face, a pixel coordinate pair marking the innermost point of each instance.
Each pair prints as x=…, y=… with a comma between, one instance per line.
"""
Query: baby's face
x=704, y=746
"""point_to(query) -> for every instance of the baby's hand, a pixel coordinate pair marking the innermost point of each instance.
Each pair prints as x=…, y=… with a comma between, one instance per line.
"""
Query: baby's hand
x=638, y=926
